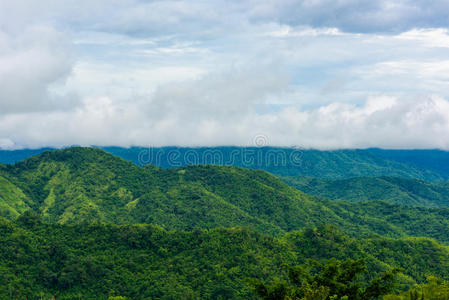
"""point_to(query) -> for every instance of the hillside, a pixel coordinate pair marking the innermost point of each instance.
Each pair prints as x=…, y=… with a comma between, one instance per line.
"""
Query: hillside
x=146, y=262
x=86, y=185
x=84, y=223
x=13, y=202
x=389, y=189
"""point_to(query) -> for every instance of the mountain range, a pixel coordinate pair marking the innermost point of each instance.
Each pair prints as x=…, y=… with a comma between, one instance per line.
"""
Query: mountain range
x=430, y=165
x=83, y=222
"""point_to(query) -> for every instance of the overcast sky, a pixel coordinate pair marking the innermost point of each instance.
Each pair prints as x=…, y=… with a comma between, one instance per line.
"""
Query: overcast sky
x=310, y=73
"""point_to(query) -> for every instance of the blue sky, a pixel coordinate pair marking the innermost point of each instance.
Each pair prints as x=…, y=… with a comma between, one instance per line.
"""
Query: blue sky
x=311, y=73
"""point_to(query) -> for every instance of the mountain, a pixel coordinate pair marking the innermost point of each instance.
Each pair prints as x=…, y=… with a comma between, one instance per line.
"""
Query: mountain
x=433, y=160
x=39, y=260
x=289, y=161
x=339, y=164
x=404, y=191
x=88, y=185
x=82, y=223
x=13, y=202
x=79, y=185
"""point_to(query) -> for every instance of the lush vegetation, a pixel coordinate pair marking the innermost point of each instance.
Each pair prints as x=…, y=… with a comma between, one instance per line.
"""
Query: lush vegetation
x=403, y=191
x=85, y=185
x=145, y=262
x=333, y=280
x=82, y=223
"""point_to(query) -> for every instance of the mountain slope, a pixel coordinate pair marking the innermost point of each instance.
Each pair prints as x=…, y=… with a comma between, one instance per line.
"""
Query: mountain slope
x=13, y=201
x=79, y=185
x=390, y=189
x=86, y=185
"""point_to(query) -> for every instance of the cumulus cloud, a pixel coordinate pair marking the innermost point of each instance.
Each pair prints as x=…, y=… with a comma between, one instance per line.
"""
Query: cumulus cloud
x=325, y=74
x=380, y=122
x=355, y=15
x=142, y=17
x=30, y=62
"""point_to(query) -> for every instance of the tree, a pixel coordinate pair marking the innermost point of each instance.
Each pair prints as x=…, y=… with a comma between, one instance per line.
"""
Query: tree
x=336, y=280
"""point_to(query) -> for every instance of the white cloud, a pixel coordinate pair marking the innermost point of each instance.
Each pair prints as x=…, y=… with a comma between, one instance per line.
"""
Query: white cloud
x=323, y=73
x=30, y=62
x=223, y=110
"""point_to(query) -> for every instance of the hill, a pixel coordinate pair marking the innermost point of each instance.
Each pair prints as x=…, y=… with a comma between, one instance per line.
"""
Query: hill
x=389, y=189
x=87, y=185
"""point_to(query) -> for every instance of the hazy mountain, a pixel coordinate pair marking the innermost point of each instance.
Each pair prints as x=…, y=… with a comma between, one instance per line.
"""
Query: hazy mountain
x=424, y=165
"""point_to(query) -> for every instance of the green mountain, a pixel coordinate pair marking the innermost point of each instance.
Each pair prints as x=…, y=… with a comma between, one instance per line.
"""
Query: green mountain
x=82, y=223
x=39, y=260
x=86, y=185
x=390, y=189
x=13, y=202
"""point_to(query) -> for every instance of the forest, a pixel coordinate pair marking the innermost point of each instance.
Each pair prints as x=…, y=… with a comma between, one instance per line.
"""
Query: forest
x=81, y=223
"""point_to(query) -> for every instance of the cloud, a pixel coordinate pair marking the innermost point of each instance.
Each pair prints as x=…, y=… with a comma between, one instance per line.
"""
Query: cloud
x=205, y=18
x=394, y=123
x=30, y=62
x=357, y=16
x=326, y=74
x=218, y=96
x=230, y=109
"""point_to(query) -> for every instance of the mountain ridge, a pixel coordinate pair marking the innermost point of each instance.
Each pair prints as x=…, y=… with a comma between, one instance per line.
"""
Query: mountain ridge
x=418, y=164
x=87, y=185
x=403, y=191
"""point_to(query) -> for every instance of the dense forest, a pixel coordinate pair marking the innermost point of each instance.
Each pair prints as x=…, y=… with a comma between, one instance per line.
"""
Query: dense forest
x=146, y=262
x=81, y=223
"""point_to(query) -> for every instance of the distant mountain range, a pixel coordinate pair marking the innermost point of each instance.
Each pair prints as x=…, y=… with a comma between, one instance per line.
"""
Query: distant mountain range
x=430, y=165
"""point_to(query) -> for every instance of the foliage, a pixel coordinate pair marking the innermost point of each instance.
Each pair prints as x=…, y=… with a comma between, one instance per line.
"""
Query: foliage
x=83, y=224
x=146, y=262
x=333, y=280
x=87, y=185
x=434, y=289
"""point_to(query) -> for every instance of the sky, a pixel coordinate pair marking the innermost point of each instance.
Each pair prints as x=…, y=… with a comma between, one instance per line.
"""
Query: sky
x=325, y=74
